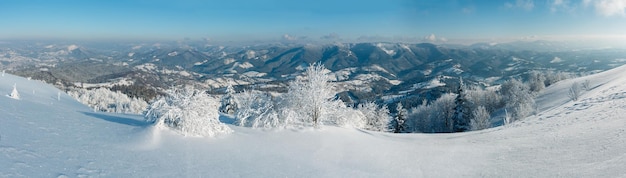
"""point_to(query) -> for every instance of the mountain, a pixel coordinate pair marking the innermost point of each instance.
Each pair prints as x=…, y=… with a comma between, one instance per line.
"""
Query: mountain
x=362, y=71
x=47, y=134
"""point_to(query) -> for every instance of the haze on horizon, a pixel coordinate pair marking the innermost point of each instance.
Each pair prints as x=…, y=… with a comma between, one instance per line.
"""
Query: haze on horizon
x=461, y=21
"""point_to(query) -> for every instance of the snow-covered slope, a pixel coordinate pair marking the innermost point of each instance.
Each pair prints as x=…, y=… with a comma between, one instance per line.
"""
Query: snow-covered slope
x=41, y=136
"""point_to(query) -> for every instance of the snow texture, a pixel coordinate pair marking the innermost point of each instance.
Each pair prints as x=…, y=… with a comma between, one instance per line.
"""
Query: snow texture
x=41, y=136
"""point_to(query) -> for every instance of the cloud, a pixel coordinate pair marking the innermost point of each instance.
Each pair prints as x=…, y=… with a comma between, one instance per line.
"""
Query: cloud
x=527, y=5
x=608, y=8
x=561, y=5
x=289, y=37
x=431, y=38
x=331, y=36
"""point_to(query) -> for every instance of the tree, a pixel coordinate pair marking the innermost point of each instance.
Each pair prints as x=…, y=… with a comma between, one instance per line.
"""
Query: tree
x=14, y=94
x=574, y=91
x=310, y=100
x=105, y=100
x=536, y=81
x=518, y=98
x=436, y=117
x=256, y=110
x=401, y=116
x=189, y=111
x=462, y=113
x=229, y=105
x=376, y=118
x=480, y=119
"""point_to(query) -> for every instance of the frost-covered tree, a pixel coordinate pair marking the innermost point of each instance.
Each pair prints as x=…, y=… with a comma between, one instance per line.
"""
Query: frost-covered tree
x=105, y=100
x=518, y=98
x=189, y=111
x=14, y=94
x=376, y=118
x=400, y=118
x=480, y=119
x=436, y=117
x=462, y=111
x=536, y=81
x=310, y=100
x=229, y=105
x=256, y=110
x=489, y=98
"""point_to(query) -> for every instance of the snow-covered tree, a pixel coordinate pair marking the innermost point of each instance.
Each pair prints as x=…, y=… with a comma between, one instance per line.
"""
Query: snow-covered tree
x=105, y=100
x=536, y=81
x=256, y=110
x=376, y=118
x=310, y=100
x=401, y=116
x=462, y=111
x=480, y=119
x=228, y=101
x=14, y=94
x=518, y=98
x=489, y=98
x=189, y=111
x=436, y=117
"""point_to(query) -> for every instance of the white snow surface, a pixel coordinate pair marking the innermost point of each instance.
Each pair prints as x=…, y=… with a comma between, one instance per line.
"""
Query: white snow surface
x=41, y=136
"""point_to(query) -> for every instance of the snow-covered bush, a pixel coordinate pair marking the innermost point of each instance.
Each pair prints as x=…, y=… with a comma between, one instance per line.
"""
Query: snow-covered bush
x=189, y=111
x=256, y=110
x=574, y=91
x=349, y=117
x=480, y=119
x=105, y=100
x=376, y=118
x=14, y=94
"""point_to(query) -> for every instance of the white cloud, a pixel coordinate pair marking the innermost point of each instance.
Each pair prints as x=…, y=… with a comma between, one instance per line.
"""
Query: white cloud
x=561, y=5
x=431, y=37
x=521, y=4
x=608, y=8
x=289, y=37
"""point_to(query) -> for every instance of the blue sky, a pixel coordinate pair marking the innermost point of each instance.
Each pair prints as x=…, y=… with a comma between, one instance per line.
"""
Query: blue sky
x=248, y=20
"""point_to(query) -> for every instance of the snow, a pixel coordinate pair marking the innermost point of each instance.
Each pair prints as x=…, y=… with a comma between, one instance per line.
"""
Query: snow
x=245, y=65
x=72, y=47
x=41, y=136
x=389, y=52
x=556, y=60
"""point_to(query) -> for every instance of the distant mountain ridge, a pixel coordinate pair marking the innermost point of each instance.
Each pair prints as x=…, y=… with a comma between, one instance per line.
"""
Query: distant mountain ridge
x=367, y=71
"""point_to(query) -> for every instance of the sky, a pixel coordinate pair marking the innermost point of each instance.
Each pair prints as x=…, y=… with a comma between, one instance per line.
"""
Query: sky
x=330, y=20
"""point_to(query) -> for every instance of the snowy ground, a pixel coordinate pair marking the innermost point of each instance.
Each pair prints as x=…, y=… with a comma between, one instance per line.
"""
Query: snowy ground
x=41, y=136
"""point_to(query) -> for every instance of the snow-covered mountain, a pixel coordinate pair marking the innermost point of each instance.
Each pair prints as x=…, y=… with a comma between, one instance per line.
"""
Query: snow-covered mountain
x=364, y=71
x=48, y=134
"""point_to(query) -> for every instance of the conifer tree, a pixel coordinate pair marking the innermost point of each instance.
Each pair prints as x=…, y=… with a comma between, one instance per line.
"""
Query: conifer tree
x=462, y=112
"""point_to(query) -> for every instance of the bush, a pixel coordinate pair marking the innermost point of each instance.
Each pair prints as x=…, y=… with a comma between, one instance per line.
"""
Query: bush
x=189, y=111
x=574, y=91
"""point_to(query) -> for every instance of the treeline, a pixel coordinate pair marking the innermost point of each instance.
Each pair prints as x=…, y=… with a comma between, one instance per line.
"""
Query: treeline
x=311, y=101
